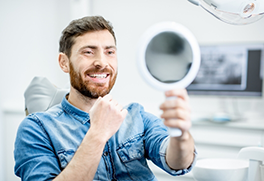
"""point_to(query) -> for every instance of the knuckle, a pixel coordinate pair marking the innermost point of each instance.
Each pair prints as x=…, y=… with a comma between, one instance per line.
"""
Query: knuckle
x=177, y=113
x=178, y=102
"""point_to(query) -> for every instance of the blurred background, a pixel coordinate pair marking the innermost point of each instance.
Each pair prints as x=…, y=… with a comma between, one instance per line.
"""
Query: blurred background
x=29, y=36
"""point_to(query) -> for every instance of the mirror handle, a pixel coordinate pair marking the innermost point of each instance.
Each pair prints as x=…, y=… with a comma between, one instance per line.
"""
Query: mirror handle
x=174, y=132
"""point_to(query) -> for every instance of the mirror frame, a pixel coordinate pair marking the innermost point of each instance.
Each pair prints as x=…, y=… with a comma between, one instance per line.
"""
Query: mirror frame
x=182, y=32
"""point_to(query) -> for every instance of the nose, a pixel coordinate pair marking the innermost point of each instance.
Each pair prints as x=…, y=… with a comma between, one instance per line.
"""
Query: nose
x=100, y=60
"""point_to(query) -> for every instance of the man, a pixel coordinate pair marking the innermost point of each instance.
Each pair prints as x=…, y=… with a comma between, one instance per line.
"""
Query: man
x=90, y=136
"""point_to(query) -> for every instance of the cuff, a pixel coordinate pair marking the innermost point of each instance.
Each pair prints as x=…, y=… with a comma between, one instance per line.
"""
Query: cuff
x=166, y=167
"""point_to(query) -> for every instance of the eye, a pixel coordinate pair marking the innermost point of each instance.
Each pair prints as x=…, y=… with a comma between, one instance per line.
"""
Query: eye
x=88, y=52
x=110, y=52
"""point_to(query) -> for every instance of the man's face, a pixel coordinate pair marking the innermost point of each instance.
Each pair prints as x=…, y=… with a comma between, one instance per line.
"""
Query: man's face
x=93, y=63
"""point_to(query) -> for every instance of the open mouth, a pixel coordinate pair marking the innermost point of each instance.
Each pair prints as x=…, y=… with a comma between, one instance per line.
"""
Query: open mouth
x=98, y=76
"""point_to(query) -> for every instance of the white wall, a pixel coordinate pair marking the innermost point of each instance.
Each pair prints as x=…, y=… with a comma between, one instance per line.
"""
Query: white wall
x=30, y=31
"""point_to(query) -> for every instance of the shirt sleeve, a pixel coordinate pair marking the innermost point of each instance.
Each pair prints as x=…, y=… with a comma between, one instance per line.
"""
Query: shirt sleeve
x=34, y=155
x=163, y=148
x=156, y=143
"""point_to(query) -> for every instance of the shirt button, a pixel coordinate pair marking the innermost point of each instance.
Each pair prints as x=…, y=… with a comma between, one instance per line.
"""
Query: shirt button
x=105, y=153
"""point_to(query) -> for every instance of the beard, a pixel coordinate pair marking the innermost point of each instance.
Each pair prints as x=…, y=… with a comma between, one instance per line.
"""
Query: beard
x=92, y=91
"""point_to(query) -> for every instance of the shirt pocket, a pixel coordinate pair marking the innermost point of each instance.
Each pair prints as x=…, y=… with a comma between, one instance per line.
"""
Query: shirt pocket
x=65, y=157
x=132, y=149
x=131, y=154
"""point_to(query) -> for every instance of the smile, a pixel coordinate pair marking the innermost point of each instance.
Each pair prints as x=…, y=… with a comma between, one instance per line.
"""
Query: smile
x=98, y=76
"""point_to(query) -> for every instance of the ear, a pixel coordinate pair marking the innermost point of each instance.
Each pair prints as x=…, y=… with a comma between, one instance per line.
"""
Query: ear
x=64, y=62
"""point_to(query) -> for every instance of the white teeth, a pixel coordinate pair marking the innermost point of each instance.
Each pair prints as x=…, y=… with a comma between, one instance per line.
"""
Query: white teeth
x=99, y=76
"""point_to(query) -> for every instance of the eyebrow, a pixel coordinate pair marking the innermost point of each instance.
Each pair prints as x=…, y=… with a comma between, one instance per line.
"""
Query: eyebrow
x=96, y=47
x=109, y=47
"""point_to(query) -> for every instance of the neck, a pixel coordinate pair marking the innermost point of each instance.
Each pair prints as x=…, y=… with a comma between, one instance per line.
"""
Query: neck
x=80, y=101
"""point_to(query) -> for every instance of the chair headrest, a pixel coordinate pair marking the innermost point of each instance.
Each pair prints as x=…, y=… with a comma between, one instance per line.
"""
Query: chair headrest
x=41, y=94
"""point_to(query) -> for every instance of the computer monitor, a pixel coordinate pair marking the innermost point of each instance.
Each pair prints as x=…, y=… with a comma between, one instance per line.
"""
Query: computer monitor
x=230, y=70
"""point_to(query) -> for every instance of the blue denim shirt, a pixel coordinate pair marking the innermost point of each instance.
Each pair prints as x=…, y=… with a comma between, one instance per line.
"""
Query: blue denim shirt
x=47, y=141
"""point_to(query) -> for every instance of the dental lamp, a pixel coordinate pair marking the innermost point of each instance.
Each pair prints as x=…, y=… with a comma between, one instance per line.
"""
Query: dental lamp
x=236, y=12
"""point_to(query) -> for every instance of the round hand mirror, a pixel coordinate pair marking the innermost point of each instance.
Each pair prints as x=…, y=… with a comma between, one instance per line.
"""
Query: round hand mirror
x=168, y=58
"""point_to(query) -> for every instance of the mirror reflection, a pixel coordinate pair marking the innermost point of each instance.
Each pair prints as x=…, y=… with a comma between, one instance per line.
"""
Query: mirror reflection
x=168, y=57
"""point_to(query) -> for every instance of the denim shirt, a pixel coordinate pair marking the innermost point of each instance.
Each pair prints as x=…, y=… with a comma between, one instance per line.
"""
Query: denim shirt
x=46, y=142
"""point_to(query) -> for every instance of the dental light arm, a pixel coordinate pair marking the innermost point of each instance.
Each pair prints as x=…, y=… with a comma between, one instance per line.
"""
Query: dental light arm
x=236, y=12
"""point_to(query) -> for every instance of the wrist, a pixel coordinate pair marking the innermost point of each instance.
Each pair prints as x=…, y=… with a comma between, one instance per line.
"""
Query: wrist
x=95, y=136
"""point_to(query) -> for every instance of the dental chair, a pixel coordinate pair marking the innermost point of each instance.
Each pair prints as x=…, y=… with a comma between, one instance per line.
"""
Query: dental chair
x=41, y=94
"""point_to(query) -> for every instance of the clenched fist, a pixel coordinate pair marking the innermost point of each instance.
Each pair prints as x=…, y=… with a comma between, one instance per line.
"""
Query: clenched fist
x=106, y=116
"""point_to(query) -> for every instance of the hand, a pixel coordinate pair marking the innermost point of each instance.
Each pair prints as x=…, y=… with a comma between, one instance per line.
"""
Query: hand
x=176, y=112
x=106, y=116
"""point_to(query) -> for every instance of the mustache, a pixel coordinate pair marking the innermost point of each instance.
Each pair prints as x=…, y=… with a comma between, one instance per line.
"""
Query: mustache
x=98, y=70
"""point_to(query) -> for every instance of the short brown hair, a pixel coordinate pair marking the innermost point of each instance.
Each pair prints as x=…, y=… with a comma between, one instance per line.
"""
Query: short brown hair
x=81, y=26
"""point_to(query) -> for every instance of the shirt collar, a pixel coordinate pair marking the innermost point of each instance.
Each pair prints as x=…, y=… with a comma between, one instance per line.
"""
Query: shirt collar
x=75, y=112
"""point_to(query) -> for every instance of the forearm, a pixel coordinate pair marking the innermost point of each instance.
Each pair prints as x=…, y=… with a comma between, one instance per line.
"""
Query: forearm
x=180, y=151
x=84, y=164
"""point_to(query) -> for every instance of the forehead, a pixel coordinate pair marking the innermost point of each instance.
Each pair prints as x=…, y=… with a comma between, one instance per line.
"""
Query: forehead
x=95, y=38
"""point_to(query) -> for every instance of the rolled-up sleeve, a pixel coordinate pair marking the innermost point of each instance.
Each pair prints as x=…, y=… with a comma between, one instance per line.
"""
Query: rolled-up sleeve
x=162, y=152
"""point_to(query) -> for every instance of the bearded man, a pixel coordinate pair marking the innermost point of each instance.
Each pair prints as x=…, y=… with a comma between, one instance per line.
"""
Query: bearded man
x=89, y=135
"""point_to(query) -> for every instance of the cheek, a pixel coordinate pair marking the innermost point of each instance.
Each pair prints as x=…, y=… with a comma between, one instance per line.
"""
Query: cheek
x=77, y=63
x=114, y=66
x=115, y=69
x=80, y=69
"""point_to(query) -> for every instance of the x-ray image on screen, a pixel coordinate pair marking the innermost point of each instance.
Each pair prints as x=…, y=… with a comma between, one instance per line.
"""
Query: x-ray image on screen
x=222, y=67
x=230, y=70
